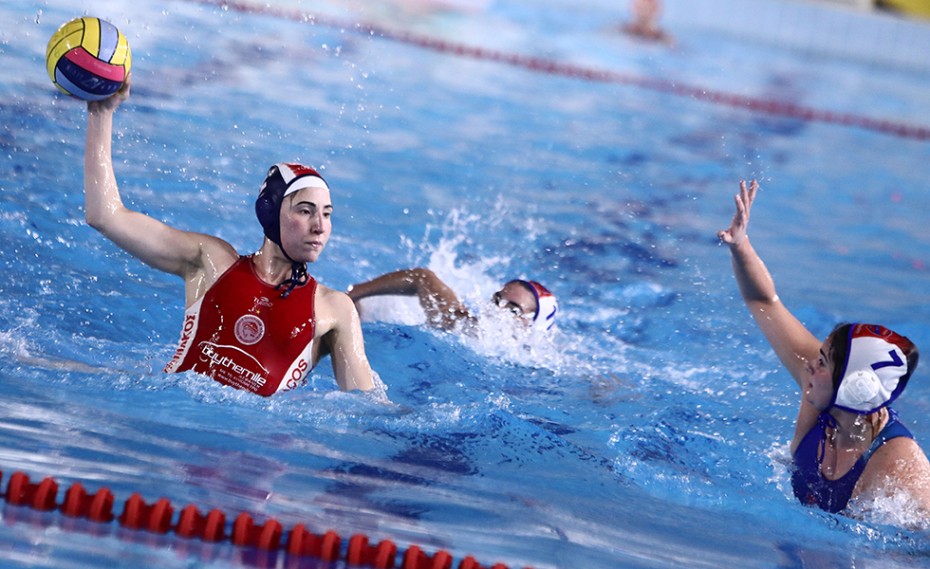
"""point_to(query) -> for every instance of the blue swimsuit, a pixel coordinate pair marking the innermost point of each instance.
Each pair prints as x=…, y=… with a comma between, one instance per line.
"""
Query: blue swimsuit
x=810, y=487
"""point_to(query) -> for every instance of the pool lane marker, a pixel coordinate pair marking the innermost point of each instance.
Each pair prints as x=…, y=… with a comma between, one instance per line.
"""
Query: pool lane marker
x=159, y=517
x=541, y=65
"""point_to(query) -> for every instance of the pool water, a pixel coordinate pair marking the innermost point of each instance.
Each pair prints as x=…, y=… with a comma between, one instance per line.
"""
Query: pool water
x=650, y=431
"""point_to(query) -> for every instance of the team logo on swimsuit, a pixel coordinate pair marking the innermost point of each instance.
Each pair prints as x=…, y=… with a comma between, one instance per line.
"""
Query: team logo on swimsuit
x=249, y=329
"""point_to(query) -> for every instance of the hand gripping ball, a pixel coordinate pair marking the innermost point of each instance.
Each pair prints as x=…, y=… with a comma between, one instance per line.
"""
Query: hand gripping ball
x=88, y=58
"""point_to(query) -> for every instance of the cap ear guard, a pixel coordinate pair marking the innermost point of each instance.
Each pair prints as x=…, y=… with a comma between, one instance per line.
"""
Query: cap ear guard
x=876, y=369
x=268, y=204
x=861, y=389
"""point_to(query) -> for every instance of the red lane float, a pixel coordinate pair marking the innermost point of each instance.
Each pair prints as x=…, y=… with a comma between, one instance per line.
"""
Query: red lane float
x=380, y=556
x=97, y=507
x=194, y=525
x=158, y=517
x=266, y=536
x=155, y=518
x=304, y=543
x=21, y=492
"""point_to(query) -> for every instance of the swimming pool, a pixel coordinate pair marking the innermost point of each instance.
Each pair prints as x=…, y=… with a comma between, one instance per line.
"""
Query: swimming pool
x=651, y=434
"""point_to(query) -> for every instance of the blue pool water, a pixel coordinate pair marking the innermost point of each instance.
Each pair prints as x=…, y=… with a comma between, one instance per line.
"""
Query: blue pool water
x=650, y=432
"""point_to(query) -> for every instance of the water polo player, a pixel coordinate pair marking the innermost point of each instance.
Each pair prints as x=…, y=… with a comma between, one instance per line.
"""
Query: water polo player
x=848, y=445
x=532, y=303
x=256, y=322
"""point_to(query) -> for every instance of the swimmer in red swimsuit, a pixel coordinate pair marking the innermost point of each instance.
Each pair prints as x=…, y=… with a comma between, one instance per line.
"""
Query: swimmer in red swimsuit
x=848, y=444
x=255, y=322
x=530, y=301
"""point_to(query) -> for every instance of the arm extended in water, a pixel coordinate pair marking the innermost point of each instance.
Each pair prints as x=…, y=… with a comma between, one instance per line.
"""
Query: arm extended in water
x=442, y=307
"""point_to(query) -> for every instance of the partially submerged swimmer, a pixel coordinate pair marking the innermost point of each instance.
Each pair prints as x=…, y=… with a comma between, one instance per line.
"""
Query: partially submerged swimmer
x=256, y=322
x=856, y=436
x=848, y=443
x=530, y=302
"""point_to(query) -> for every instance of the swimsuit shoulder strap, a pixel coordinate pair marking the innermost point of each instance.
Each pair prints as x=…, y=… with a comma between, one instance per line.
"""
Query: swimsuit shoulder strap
x=892, y=430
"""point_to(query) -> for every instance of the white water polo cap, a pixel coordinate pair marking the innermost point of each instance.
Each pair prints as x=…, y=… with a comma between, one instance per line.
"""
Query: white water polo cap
x=546, y=305
x=876, y=369
x=283, y=179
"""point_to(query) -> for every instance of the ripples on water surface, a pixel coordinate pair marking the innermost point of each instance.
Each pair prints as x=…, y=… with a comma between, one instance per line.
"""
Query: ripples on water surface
x=650, y=432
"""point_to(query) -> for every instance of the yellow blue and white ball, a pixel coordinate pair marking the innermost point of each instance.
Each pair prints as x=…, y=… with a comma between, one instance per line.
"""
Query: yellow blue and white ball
x=88, y=58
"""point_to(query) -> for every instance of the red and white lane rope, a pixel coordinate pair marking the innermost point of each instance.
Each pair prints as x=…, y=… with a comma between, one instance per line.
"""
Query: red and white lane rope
x=542, y=65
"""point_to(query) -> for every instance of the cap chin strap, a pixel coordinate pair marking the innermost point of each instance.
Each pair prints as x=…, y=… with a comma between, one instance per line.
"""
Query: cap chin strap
x=298, y=275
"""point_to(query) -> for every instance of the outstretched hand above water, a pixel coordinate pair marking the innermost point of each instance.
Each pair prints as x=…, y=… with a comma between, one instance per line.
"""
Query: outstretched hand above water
x=735, y=234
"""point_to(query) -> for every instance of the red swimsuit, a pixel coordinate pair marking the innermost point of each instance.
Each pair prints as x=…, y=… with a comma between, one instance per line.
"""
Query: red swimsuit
x=243, y=334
